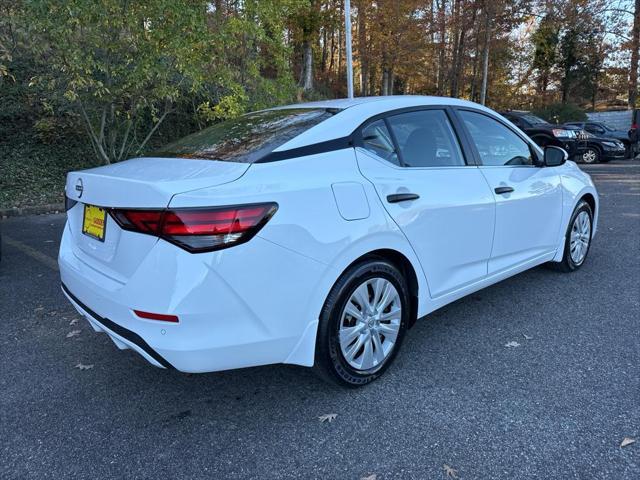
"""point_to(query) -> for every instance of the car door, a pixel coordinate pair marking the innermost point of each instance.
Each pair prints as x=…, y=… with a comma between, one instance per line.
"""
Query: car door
x=528, y=197
x=441, y=203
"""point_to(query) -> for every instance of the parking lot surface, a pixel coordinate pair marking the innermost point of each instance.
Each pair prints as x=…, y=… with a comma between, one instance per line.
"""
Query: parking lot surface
x=456, y=402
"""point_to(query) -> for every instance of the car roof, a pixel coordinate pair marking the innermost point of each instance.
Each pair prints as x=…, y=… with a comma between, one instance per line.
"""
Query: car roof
x=354, y=111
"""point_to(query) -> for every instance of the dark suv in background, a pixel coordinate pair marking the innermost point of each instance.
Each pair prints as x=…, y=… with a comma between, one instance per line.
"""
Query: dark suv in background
x=595, y=149
x=601, y=129
x=543, y=132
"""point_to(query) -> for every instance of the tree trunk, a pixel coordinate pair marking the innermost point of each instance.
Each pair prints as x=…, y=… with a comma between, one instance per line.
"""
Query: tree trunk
x=385, y=81
x=485, y=56
x=635, y=51
x=442, y=54
x=458, y=38
x=306, y=78
x=323, y=62
x=362, y=48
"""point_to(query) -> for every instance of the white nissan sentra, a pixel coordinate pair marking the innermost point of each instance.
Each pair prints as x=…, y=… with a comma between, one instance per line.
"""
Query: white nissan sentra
x=315, y=234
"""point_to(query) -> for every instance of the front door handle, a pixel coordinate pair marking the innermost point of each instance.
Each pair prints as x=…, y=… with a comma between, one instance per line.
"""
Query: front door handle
x=501, y=190
x=402, y=197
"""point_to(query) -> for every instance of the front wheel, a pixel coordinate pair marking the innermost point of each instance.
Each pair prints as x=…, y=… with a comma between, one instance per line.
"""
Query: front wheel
x=591, y=155
x=578, y=238
x=362, y=324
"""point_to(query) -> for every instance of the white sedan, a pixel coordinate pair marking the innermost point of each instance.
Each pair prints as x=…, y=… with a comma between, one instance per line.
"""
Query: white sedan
x=315, y=234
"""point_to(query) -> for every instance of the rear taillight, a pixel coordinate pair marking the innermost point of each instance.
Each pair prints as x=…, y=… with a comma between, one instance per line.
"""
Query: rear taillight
x=199, y=229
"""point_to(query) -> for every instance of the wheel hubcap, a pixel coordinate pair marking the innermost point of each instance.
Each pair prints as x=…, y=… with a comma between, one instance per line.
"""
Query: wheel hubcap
x=580, y=237
x=589, y=156
x=370, y=323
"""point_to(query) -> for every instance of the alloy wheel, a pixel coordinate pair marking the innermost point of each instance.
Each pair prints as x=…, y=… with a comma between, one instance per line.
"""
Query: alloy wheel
x=590, y=156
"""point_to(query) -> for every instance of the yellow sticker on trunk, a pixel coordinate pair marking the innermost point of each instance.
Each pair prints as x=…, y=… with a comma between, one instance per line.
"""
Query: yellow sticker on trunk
x=93, y=223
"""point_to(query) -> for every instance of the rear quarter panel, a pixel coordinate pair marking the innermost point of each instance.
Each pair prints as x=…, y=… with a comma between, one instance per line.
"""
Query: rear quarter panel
x=309, y=223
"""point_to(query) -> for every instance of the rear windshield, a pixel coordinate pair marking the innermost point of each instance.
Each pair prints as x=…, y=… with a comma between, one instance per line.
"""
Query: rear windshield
x=533, y=120
x=246, y=139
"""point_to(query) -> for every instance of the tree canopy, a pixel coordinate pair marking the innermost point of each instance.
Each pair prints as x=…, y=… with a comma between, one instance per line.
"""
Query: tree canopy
x=133, y=73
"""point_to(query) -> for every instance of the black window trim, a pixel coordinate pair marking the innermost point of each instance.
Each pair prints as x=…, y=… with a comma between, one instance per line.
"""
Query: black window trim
x=537, y=161
x=465, y=148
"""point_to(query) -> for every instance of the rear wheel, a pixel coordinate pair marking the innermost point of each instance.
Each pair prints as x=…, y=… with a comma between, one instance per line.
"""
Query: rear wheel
x=577, y=239
x=362, y=324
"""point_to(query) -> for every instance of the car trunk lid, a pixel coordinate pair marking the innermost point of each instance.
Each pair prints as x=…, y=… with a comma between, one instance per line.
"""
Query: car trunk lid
x=144, y=183
x=148, y=182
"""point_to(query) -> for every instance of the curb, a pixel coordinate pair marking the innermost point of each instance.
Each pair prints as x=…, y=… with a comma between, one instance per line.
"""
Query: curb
x=37, y=210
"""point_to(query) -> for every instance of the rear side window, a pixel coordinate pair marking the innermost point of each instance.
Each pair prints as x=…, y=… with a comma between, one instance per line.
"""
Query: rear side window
x=246, y=139
x=376, y=139
x=496, y=144
x=426, y=139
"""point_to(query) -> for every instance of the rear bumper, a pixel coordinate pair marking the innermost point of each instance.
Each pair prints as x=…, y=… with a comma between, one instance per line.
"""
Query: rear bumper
x=253, y=304
x=122, y=337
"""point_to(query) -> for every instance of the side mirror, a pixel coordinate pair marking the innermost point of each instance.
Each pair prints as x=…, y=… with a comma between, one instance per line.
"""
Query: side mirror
x=555, y=156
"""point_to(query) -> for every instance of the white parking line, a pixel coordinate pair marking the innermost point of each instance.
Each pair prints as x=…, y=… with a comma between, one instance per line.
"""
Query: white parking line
x=32, y=252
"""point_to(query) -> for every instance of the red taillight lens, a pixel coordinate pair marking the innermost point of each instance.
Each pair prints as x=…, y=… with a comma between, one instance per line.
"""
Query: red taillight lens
x=144, y=221
x=199, y=229
x=156, y=316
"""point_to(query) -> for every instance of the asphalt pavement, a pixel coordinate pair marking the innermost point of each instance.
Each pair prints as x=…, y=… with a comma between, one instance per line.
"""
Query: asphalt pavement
x=456, y=403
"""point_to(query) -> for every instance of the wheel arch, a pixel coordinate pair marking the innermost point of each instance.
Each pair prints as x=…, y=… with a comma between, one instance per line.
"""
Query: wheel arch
x=591, y=201
x=402, y=263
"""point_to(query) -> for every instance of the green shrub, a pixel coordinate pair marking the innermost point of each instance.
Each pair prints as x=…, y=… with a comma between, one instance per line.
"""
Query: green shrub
x=561, y=113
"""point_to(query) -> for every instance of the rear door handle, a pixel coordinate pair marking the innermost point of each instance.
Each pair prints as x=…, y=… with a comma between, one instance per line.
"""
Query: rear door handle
x=402, y=197
x=501, y=190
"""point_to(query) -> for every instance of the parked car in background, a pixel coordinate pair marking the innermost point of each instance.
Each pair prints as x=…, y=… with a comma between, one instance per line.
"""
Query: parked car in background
x=595, y=149
x=542, y=132
x=603, y=130
x=634, y=136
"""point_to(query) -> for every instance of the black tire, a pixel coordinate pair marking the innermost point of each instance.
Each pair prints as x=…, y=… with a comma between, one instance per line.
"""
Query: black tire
x=567, y=264
x=330, y=363
x=590, y=156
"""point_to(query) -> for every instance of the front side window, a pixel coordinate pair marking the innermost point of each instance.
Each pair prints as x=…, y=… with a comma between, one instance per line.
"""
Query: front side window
x=496, y=144
x=245, y=139
x=426, y=139
x=594, y=128
x=376, y=139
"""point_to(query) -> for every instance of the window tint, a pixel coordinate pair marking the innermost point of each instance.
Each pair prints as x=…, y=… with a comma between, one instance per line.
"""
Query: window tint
x=425, y=139
x=516, y=121
x=376, y=139
x=496, y=144
x=245, y=139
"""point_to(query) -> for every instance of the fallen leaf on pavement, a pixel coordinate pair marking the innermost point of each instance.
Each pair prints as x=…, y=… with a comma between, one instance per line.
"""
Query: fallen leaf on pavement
x=82, y=366
x=526, y=337
x=627, y=441
x=73, y=322
x=327, y=417
x=512, y=344
x=449, y=471
x=39, y=309
x=73, y=333
x=373, y=476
